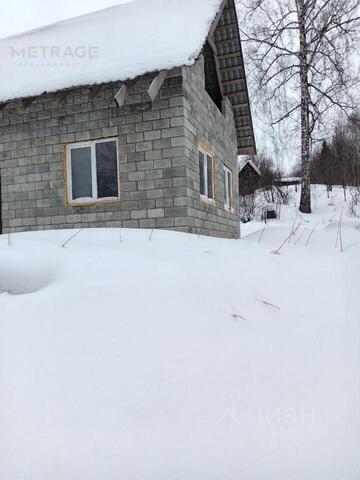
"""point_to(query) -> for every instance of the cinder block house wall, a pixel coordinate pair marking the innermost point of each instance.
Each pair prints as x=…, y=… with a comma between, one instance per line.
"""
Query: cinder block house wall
x=206, y=126
x=158, y=158
x=55, y=147
x=151, y=158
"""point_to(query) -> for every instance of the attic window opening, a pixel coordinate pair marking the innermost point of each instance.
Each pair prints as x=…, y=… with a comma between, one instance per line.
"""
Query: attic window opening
x=212, y=81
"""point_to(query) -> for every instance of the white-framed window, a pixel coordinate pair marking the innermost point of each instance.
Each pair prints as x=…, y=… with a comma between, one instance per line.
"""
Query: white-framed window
x=228, y=189
x=92, y=171
x=206, y=164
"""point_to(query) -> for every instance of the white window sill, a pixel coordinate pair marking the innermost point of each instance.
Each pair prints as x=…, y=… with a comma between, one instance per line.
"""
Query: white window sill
x=92, y=201
x=229, y=209
x=207, y=200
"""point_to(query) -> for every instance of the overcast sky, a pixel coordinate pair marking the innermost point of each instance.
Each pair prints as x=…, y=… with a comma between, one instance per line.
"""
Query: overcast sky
x=21, y=15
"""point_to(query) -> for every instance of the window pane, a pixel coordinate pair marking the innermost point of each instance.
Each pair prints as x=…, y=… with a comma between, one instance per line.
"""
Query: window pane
x=210, y=177
x=106, y=168
x=230, y=187
x=228, y=176
x=226, y=188
x=81, y=173
x=202, y=173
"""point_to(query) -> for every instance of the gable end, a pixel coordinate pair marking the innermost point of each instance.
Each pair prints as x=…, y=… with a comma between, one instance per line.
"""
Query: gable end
x=227, y=40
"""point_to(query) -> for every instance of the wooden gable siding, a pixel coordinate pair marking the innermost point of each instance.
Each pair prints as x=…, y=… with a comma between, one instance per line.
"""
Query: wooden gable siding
x=231, y=65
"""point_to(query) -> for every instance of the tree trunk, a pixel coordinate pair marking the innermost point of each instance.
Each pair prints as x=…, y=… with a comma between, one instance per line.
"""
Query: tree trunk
x=305, y=201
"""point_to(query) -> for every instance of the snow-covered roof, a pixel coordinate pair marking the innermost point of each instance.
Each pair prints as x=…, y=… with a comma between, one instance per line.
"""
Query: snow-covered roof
x=252, y=164
x=114, y=44
x=291, y=179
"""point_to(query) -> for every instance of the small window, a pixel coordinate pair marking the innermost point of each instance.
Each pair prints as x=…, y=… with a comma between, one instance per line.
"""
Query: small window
x=228, y=188
x=92, y=171
x=206, y=163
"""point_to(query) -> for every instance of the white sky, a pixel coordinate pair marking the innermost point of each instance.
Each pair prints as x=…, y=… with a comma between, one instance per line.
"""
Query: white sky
x=21, y=15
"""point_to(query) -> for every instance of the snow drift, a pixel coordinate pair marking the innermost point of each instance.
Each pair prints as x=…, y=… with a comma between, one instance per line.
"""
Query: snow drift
x=182, y=357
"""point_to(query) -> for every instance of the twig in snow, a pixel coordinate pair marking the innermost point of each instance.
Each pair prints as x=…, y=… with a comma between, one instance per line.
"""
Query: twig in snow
x=235, y=316
x=340, y=227
x=337, y=236
x=292, y=233
x=339, y=232
x=299, y=237
x=270, y=305
x=70, y=238
x=311, y=233
x=151, y=234
x=351, y=246
x=9, y=238
x=292, y=228
x=262, y=233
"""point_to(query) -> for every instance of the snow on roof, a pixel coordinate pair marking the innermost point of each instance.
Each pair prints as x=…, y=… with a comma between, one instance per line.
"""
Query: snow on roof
x=291, y=179
x=114, y=44
x=252, y=164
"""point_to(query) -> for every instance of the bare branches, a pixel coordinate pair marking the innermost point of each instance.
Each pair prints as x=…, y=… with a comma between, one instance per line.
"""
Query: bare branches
x=331, y=30
x=302, y=57
x=292, y=234
x=286, y=115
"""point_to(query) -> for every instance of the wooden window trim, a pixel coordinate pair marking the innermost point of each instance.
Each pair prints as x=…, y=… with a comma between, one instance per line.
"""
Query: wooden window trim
x=67, y=175
x=206, y=149
x=230, y=206
x=209, y=154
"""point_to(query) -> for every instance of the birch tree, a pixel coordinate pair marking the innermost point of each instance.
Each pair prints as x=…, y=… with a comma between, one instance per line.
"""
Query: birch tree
x=303, y=60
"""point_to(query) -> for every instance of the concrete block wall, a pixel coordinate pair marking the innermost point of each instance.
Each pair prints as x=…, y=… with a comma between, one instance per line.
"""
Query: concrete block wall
x=205, y=124
x=158, y=159
x=151, y=158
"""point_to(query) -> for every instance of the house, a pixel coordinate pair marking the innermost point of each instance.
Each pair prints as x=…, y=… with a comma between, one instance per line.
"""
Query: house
x=130, y=117
x=249, y=177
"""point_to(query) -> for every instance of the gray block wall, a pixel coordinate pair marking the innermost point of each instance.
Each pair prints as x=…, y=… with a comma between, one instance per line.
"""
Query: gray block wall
x=205, y=124
x=158, y=164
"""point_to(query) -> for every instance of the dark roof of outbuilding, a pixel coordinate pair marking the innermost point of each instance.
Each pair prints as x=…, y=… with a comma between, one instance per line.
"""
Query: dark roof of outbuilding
x=252, y=165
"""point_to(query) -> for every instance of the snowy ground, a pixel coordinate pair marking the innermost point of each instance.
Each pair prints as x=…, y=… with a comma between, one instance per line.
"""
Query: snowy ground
x=182, y=357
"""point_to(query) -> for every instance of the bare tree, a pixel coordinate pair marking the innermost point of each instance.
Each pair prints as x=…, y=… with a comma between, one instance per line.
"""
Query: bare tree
x=302, y=54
